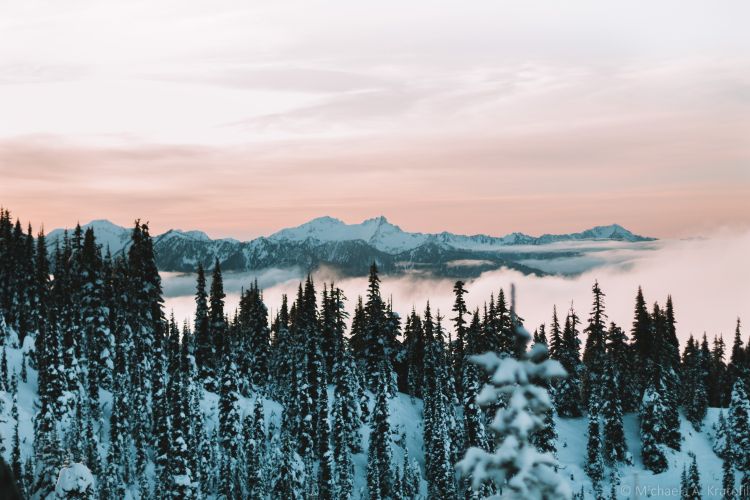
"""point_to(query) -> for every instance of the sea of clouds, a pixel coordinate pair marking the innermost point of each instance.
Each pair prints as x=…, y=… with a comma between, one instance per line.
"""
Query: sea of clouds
x=708, y=278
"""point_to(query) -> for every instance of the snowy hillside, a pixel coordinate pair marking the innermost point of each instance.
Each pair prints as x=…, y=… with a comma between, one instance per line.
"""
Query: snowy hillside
x=406, y=426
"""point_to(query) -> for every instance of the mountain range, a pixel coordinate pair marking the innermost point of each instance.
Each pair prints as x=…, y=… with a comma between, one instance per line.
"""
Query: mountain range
x=350, y=248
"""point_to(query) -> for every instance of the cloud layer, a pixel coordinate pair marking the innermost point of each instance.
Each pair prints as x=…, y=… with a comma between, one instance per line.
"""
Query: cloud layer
x=707, y=278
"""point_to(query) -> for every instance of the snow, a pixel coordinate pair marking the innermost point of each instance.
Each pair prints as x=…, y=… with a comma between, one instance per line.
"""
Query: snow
x=389, y=238
x=75, y=478
x=635, y=480
x=376, y=231
x=190, y=235
x=406, y=424
x=108, y=235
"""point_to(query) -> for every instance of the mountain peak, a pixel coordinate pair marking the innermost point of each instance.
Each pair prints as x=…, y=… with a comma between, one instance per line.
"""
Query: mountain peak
x=325, y=219
x=380, y=219
x=102, y=223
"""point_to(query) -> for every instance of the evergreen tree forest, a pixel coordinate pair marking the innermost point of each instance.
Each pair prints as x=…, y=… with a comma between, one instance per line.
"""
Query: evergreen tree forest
x=130, y=403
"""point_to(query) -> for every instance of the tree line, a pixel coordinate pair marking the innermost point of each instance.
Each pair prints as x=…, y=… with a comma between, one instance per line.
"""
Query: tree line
x=122, y=388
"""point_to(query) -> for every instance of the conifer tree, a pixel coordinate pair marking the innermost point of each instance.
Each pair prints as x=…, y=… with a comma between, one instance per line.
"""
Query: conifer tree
x=727, y=468
x=516, y=467
x=204, y=346
x=613, y=434
x=300, y=405
x=595, y=353
x=621, y=359
x=693, y=482
x=229, y=425
x=568, y=391
x=333, y=326
x=67, y=321
x=643, y=341
x=653, y=412
x=289, y=480
x=666, y=367
x=474, y=428
x=47, y=452
x=183, y=482
x=346, y=400
x=357, y=339
x=737, y=360
x=253, y=438
x=284, y=352
x=346, y=419
x=739, y=427
x=503, y=328
x=545, y=436
x=327, y=486
x=118, y=464
x=694, y=395
x=379, y=339
x=439, y=420
x=253, y=337
x=4, y=370
x=721, y=439
x=379, y=465
x=414, y=343
x=217, y=322
x=410, y=477
x=459, y=344
x=555, y=347
x=594, y=448
x=147, y=320
x=90, y=442
x=311, y=391
x=15, y=456
x=94, y=314
x=47, y=448
x=164, y=401
x=24, y=373
x=718, y=386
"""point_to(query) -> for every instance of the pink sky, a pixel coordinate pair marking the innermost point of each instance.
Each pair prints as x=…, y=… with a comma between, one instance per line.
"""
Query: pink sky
x=241, y=119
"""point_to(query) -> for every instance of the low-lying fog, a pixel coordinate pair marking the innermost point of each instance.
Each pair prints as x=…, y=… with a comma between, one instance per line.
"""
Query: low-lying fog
x=708, y=278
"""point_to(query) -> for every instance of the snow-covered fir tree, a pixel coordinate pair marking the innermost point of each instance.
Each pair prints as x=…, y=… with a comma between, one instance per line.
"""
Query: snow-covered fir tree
x=379, y=455
x=516, y=467
x=613, y=433
x=653, y=426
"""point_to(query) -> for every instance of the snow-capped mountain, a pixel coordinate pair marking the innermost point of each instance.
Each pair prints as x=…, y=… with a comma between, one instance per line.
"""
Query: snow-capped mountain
x=349, y=247
x=389, y=238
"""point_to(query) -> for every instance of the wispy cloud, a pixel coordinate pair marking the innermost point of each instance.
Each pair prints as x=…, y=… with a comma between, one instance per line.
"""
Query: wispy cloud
x=493, y=118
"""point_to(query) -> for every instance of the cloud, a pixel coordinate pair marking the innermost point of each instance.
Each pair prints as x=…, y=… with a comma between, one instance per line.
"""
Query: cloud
x=481, y=119
x=708, y=279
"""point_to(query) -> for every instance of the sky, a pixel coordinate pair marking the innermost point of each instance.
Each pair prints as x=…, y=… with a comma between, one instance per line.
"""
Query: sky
x=240, y=118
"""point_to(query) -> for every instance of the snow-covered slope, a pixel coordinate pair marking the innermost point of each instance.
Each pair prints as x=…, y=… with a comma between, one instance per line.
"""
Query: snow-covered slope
x=377, y=231
x=350, y=248
x=108, y=235
x=406, y=425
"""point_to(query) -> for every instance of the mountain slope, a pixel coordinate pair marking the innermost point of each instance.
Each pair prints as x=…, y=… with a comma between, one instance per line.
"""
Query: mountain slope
x=389, y=238
x=406, y=425
x=349, y=248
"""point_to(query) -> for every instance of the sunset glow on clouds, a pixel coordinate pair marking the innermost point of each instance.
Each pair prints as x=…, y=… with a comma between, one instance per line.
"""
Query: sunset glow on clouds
x=240, y=118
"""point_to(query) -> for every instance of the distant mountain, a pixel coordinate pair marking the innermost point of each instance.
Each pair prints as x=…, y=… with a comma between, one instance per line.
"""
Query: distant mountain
x=350, y=248
x=389, y=238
